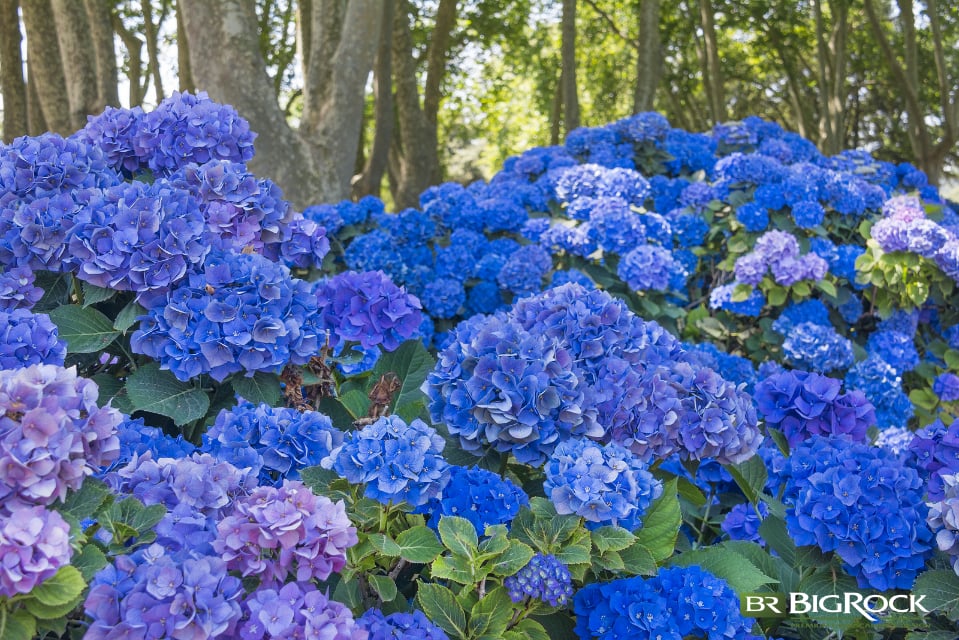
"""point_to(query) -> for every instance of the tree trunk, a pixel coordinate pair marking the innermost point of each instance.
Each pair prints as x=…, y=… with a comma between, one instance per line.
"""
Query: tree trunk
x=713, y=80
x=417, y=161
x=556, y=112
x=649, y=61
x=78, y=59
x=153, y=56
x=43, y=52
x=104, y=52
x=134, y=47
x=315, y=165
x=11, y=72
x=568, y=66
x=436, y=59
x=184, y=72
x=376, y=163
x=35, y=122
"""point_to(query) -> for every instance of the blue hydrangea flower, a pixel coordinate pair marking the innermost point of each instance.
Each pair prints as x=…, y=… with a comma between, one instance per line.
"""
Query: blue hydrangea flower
x=743, y=522
x=525, y=269
x=689, y=230
x=114, y=132
x=545, y=578
x=396, y=461
x=946, y=387
x=399, y=626
x=808, y=214
x=753, y=216
x=443, y=297
x=797, y=313
x=722, y=298
x=897, y=349
x=28, y=338
x=605, y=484
x=17, y=290
x=648, y=267
x=882, y=386
x=934, y=453
x=815, y=347
x=478, y=495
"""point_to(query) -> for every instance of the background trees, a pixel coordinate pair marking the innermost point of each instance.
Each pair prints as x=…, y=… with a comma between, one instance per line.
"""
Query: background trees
x=390, y=96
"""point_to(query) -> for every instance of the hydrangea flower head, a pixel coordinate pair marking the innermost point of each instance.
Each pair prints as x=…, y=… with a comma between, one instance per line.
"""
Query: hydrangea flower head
x=395, y=460
x=934, y=452
x=28, y=338
x=478, y=495
x=34, y=543
x=114, y=132
x=817, y=347
x=648, y=267
x=400, y=626
x=544, y=578
x=17, y=290
x=296, y=610
x=52, y=433
x=897, y=349
x=943, y=518
x=946, y=387
x=882, y=386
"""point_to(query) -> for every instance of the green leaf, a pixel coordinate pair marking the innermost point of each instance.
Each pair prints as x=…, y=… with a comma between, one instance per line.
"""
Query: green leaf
x=261, y=388
x=827, y=287
x=51, y=612
x=89, y=561
x=84, y=330
x=638, y=561
x=529, y=629
x=65, y=586
x=773, y=531
x=611, y=561
x=952, y=359
x=418, y=545
x=777, y=296
x=690, y=492
x=411, y=363
x=828, y=582
x=741, y=574
x=941, y=588
x=348, y=592
x=577, y=550
x=20, y=626
x=751, y=477
x=440, y=606
x=93, y=294
x=458, y=535
x=56, y=288
x=491, y=614
x=661, y=524
x=151, y=389
x=513, y=559
x=130, y=515
x=384, y=586
x=87, y=501
x=128, y=316
x=612, y=539
x=356, y=402
x=318, y=479
x=456, y=568
x=108, y=387
x=384, y=544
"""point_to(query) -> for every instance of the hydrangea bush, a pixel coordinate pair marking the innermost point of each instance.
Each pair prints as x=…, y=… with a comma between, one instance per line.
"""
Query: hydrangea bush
x=606, y=394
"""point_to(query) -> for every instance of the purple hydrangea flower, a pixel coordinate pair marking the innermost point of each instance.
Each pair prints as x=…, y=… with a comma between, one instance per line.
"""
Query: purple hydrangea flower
x=17, y=290
x=297, y=610
x=946, y=386
x=544, y=578
x=28, y=338
x=34, y=544
x=114, y=132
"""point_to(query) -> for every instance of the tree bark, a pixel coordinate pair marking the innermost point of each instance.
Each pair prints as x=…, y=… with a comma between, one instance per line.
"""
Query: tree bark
x=568, y=65
x=184, y=72
x=649, y=61
x=35, y=122
x=556, y=112
x=43, y=52
x=104, y=52
x=436, y=59
x=153, y=56
x=134, y=47
x=77, y=58
x=371, y=178
x=11, y=72
x=713, y=80
x=316, y=164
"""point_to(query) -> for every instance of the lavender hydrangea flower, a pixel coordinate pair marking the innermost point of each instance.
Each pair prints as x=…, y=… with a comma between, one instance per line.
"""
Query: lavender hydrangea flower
x=242, y=313
x=648, y=267
x=34, y=544
x=366, y=308
x=544, y=578
x=817, y=347
x=278, y=532
x=605, y=484
x=114, y=132
x=17, y=290
x=28, y=338
x=943, y=519
x=396, y=461
x=934, y=452
x=45, y=166
x=400, y=626
x=52, y=433
x=297, y=610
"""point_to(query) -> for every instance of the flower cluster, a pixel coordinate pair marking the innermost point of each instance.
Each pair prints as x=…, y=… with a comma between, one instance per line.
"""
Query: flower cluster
x=400, y=626
x=52, y=433
x=803, y=404
x=17, y=290
x=151, y=595
x=934, y=452
x=778, y=252
x=943, y=518
x=278, y=532
x=864, y=504
x=605, y=484
x=366, y=308
x=649, y=267
x=904, y=227
x=678, y=602
x=882, y=386
x=946, y=387
x=274, y=443
x=478, y=495
x=242, y=313
x=114, y=132
x=28, y=338
x=34, y=544
x=896, y=348
x=396, y=461
x=817, y=347
x=296, y=610
x=137, y=438
x=544, y=578
x=137, y=237
x=743, y=522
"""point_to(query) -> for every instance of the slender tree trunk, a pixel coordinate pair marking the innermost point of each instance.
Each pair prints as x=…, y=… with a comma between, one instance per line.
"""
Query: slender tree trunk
x=649, y=59
x=556, y=112
x=43, y=52
x=568, y=64
x=436, y=58
x=77, y=58
x=134, y=47
x=713, y=80
x=104, y=52
x=11, y=72
x=184, y=72
x=376, y=163
x=153, y=56
x=35, y=122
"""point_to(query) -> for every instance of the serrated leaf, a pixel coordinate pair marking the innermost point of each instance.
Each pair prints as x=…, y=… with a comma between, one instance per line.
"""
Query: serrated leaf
x=348, y=592
x=384, y=586
x=458, y=535
x=638, y=561
x=440, y=606
x=529, y=629
x=260, y=388
x=773, y=531
x=830, y=582
x=611, y=539
x=128, y=316
x=611, y=561
x=63, y=587
x=418, y=545
x=411, y=363
x=751, y=477
x=491, y=614
x=89, y=561
x=84, y=330
x=85, y=502
x=513, y=559
x=50, y=612
x=93, y=294
x=941, y=588
x=318, y=479
x=456, y=568
x=151, y=389
x=384, y=544
x=356, y=402
x=576, y=550
x=20, y=626
x=661, y=524
x=741, y=574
